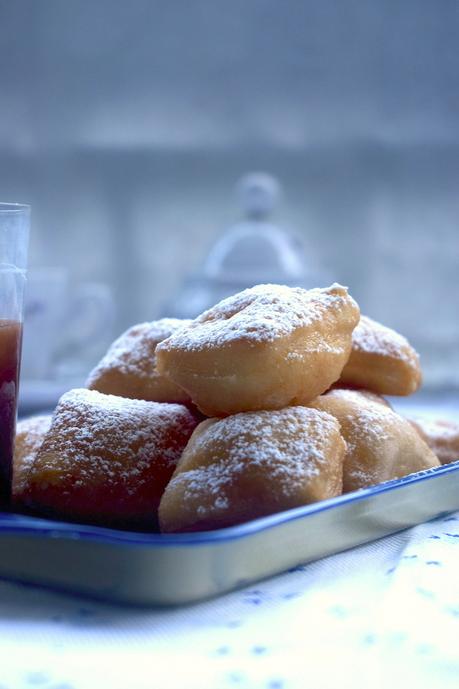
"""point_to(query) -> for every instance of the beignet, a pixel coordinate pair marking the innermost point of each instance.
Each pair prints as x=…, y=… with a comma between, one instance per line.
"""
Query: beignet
x=128, y=369
x=30, y=434
x=381, y=360
x=441, y=435
x=265, y=348
x=107, y=459
x=253, y=464
x=381, y=445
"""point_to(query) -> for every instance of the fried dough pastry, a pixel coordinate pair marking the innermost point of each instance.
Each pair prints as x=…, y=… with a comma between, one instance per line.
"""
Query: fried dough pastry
x=128, y=369
x=30, y=434
x=381, y=360
x=253, y=464
x=107, y=459
x=441, y=435
x=265, y=348
x=381, y=445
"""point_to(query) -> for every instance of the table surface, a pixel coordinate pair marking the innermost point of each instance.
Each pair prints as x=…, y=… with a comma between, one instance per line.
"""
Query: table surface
x=384, y=614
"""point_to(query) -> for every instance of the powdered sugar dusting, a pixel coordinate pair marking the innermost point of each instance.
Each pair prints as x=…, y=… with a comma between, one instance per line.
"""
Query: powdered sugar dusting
x=368, y=427
x=291, y=446
x=441, y=435
x=367, y=417
x=260, y=314
x=133, y=353
x=375, y=338
x=444, y=430
x=33, y=429
x=97, y=437
x=30, y=433
x=380, y=444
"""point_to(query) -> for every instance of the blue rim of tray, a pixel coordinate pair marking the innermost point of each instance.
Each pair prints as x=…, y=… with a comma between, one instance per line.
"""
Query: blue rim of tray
x=35, y=526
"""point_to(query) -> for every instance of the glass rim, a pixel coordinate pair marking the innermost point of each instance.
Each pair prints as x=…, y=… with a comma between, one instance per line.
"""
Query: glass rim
x=13, y=207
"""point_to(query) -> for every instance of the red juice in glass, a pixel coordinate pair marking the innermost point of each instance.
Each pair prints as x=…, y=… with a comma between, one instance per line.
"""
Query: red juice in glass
x=14, y=233
x=10, y=356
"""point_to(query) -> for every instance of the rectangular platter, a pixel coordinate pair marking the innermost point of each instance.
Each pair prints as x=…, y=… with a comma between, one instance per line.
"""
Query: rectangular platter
x=156, y=569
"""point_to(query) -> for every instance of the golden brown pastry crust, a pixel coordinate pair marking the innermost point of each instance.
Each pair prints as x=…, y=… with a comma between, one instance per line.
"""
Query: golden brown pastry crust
x=129, y=367
x=381, y=445
x=441, y=435
x=30, y=434
x=253, y=464
x=264, y=348
x=107, y=459
x=381, y=360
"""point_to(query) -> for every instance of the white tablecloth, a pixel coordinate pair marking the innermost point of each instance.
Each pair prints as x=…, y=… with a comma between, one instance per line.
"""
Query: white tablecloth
x=382, y=615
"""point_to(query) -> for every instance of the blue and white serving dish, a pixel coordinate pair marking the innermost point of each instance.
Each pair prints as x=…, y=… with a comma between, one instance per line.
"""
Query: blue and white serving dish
x=172, y=569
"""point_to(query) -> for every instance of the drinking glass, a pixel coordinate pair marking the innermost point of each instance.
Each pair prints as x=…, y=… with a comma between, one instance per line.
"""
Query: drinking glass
x=14, y=238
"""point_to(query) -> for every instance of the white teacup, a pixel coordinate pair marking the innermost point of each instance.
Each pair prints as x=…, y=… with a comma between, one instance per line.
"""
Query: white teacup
x=63, y=322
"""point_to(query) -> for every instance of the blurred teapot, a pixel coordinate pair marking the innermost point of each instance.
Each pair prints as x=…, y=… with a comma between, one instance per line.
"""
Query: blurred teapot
x=251, y=252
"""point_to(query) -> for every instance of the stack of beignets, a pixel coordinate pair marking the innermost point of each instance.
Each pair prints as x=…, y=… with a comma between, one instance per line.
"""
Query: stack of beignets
x=292, y=380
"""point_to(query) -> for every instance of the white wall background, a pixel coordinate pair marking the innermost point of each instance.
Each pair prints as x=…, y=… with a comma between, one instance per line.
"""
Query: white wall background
x=125, y=125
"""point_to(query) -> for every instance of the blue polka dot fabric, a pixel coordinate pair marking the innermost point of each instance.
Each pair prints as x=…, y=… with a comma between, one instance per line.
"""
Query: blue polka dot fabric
x=384, y=614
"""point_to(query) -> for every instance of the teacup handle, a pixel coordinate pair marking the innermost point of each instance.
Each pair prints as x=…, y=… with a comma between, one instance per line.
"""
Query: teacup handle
x=93, y=314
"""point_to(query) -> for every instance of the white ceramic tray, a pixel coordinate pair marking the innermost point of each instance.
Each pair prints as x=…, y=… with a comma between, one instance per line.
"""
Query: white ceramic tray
x=173, y=569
